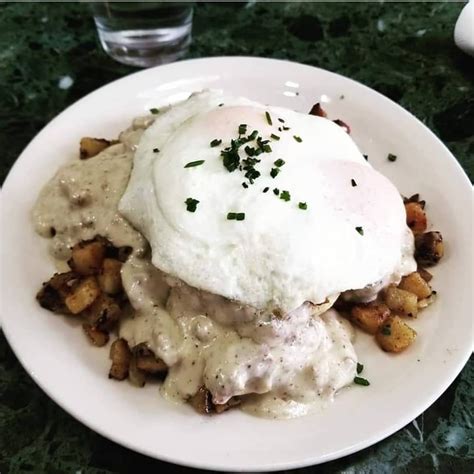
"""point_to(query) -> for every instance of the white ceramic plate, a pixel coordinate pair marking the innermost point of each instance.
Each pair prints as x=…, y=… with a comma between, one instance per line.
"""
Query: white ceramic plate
x=74, y=374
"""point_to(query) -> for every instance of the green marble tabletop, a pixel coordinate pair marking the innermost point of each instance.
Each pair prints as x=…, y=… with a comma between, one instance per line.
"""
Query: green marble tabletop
x=50, y=57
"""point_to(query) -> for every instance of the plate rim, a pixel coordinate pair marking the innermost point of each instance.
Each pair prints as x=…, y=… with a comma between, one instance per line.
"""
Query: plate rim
x=462, y=357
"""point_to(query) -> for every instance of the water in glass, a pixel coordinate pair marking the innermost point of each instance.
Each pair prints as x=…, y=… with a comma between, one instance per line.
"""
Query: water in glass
x=144, y=33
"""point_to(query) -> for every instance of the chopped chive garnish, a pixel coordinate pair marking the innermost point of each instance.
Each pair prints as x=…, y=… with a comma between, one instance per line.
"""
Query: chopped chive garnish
x=245, y=185
x=231, y=158
x=268, y=117
x=279, y=163
x=386, y=330
x=220, y=105
x=155, y=111
x=281, y=120
x=249, y=150
x=276, y=191
x=360, y=368
x=303, y=206
x=360, y=230
x=252, y=174
x=265, y=190
x=275, y=137
x=266, y=148
x=361, y=381
x=353, y=182
x=285, y=195
x=155, y=150
x=191, y=204
x=366, y=157
x=297, y=138
x=242, y=129
x=215, y=142
x=192, y=164
x=280, y=129
x=274, y=172
x=236, y=216
x=252, y=136
x=286, y=128
x=391, y=157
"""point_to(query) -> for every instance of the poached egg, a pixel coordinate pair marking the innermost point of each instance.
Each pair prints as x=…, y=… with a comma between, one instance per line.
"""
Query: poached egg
x=316, y=220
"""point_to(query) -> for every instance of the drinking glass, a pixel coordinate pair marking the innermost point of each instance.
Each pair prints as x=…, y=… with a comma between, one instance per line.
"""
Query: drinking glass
x=144, y=34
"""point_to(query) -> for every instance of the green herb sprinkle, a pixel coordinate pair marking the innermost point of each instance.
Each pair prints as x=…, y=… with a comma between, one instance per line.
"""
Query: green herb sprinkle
x=191, y=204
x=192, y=164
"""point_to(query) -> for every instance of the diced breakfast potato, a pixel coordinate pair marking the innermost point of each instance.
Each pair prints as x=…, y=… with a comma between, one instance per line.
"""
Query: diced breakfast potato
x=121, y=355
x=415, y=284
x=201, y=401
x=96, y=336
x=318, y=111
x=369, y=317
x=425, y=302
x=103, y=313
x=52, y=294
x=109, y=277
x=83, y=295
x=151, y=364
x=416, y=217
x=425, y=274
x=395, y=335
x=147, y=361
x=415, y=198
x=90, y=147
x=87, y=257
x=401, y=301
x=429, y=248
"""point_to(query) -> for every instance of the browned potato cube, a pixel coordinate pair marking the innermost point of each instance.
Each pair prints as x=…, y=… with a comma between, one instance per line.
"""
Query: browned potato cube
x=401, y=301
x=318, y=111
x=96, y=336
x=425, y=274
x=52, y=294
x=109, y=277
x=151, y=364
x=201, y=401
x=425, y=302
x=147, y=361
x=87, y=257
x=416, y=217
x=83, y=295
x=415, y=198
x=416, y=285
x=103, y=313
x=121, y=356
x=90, y=147
x=370, y=316
x=395, y=335
x=429, y=248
